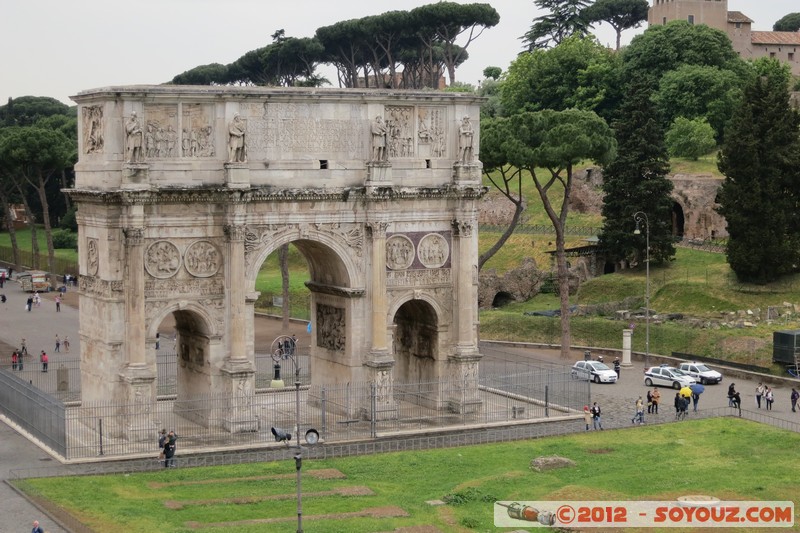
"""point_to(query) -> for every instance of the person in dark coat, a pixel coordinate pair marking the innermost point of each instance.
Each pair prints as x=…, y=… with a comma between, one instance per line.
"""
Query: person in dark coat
x=169, y=450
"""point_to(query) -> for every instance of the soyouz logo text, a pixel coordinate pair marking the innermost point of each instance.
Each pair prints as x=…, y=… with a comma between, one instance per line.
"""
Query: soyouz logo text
x=681, y=513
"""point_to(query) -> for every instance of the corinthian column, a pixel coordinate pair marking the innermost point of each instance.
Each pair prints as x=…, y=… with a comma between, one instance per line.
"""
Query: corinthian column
x=135, y=341
x=377, y=231
x=234, y=285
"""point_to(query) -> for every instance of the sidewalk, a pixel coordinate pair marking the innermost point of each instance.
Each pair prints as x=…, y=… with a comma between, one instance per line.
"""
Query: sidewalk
x=39, y=327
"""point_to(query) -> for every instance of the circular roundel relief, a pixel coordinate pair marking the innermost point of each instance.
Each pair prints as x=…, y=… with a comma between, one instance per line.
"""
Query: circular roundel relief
x=433, y=250
x=399, y=252
x=162, y=259
x=201, y=259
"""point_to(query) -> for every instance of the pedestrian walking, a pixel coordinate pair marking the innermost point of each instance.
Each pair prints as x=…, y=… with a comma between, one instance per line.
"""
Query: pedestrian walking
x=44, y=360
x=36, y=527
x=617, y=366
x=769, y=397
x=66, y=343
x=23, y=347
x=736, y=402
x=587, y=416
x=731, y=393
x=759, y=394
x=794, y=397
x=15, y=361
x=58, y=303
x=162, y=440
x=649, y=402
x=2, y=279
x=639, y=414
x=37, y=300
x=596, y=420
x=29, y=303
x=58, y=343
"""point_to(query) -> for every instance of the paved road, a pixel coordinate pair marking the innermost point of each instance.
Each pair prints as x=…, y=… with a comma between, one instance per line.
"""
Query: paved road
x=40, y=325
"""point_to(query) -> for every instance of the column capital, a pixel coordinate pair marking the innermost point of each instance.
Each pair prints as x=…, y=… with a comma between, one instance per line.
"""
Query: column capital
x=234, y=232
x=463, y=228
x=377, y=229
x=133, y=236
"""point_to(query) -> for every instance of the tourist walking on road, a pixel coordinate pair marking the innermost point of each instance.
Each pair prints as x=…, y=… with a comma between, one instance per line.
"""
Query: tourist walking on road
x=58, y=303
x=639, y=414
x=58, y=343
x=44, y=360
x=731, y=393
x=66, y=343
x=23, y=347
x=587, y=416
x=794, y=397
x=29, y=303
x=617, y=366
x=596, y=420
x=36, y=528
x=37, y=300
x=15, y=361
x=769, y=397
x=759, y=394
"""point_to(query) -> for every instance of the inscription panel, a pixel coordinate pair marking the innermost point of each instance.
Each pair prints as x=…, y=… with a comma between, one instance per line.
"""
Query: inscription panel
x=274, y=129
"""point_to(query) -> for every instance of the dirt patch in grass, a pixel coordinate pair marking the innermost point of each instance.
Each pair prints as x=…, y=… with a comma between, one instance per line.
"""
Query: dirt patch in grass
x=322, y=473
x=600, y=450
x=388, y=511
x=342, y=491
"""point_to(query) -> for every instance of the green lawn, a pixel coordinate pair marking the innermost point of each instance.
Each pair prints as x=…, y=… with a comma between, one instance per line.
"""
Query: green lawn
x=730, y=459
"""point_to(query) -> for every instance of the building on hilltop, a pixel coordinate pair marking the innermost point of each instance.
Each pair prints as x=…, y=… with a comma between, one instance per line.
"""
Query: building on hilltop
x=781, y=45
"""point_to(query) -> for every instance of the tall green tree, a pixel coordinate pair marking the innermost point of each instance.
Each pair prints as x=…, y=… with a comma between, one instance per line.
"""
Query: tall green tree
x=790, y=22
x=699, y=91
x=562, y=19
x=451, y=21
x=36, y=155
x=663, y=48
x=578, y=73
x=636, y=180
x=619, y=14
x=503, y=176
x=760, y=196
x=547, y=145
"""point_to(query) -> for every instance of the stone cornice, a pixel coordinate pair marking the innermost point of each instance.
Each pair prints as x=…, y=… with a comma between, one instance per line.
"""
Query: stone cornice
x=270, y=194
x=207, y=93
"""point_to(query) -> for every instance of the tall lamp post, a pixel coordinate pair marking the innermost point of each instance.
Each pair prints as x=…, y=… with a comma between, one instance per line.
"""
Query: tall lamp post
x=283, y=348
x=641, y=217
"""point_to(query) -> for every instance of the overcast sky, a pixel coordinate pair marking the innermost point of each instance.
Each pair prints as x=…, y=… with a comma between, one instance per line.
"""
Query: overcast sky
x=60, y=47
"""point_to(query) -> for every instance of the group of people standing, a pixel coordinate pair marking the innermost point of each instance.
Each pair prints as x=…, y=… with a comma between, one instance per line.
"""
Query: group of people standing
x=765, y=392
x=18, y=356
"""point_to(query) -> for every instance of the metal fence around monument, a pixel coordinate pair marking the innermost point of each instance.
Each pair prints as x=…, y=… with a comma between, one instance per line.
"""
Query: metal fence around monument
x=37, y=412
x=340, y=413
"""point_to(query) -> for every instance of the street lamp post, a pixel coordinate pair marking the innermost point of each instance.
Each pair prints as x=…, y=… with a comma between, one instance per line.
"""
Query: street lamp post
x=283, y=348
x=640, y=217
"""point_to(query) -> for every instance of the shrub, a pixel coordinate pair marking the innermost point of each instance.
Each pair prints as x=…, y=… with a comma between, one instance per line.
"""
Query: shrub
x=64, y=238
x=690, y=138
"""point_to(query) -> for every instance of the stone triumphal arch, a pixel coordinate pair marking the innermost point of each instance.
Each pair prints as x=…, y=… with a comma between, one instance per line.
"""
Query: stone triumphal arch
x=183, y=192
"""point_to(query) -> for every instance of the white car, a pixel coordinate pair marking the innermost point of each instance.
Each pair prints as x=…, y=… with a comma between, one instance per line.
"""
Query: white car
x=701, y=372
x=593, y=371
x=667, y=376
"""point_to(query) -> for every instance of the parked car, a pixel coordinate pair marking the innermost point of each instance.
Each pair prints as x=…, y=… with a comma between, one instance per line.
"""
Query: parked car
x=700, y=372
x=667, y=376
x=593, y=371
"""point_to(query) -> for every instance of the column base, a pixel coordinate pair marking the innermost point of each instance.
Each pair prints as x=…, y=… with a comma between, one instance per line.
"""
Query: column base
x=467, y=172
x=239, y=416
x=237, y=175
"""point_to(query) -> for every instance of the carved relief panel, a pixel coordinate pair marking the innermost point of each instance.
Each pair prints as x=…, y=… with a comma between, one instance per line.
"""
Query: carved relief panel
x=92, y=257
x=92, y=125
x=400, y=131
x=162, y=259
x=330, y=327
x=431, y=133
x=161, y=131
x=202, y=259
x=197, y=135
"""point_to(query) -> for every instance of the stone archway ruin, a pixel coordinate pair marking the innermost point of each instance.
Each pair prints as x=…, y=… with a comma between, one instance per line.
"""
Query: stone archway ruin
x=183, y=192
